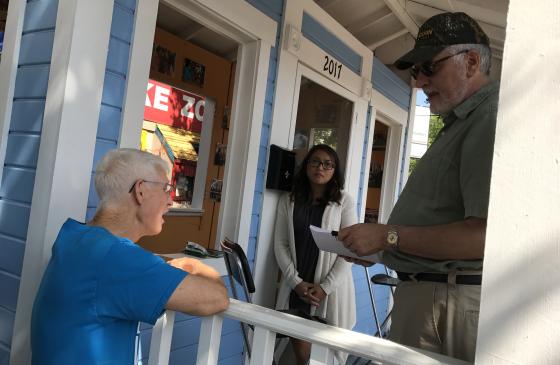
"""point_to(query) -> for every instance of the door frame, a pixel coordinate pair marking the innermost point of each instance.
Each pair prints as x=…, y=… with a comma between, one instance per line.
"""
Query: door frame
x=390, y=114
x=295, y=50
x=256, y=34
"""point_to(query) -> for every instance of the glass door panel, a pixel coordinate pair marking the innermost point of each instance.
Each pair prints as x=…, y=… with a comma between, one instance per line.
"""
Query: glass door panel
x=323, y=117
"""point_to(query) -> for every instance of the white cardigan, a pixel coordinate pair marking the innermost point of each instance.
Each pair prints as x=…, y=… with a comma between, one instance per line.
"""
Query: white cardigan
x=333, y=273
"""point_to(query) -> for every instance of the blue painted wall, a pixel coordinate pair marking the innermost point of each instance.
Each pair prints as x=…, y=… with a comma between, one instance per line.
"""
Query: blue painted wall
x=116, y=69
x=390, y=85
x=24, y=135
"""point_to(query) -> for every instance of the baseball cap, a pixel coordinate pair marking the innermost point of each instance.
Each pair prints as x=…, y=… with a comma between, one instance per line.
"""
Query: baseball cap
x=439, y=32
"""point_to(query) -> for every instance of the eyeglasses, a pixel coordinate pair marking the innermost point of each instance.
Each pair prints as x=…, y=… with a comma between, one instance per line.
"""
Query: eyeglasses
x=428, y=68
x=327, y=164
x=167, y=187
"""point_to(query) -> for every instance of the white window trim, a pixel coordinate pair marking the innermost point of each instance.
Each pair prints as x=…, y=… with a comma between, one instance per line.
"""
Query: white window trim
x=256, y=34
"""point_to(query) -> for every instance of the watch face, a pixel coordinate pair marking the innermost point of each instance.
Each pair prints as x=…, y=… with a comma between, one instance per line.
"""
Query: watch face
x=392, y=238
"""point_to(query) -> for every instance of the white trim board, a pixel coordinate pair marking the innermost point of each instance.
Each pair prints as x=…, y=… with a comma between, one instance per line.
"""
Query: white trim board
x=244, y=141
x=234, y=19
x=381, y=103
x=139, y=66
x=8, y=71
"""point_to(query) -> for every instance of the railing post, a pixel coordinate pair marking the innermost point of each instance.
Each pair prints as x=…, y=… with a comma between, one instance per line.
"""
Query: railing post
x=209, y=340
x=160, y=345
x=263, y=346
x=321, y=355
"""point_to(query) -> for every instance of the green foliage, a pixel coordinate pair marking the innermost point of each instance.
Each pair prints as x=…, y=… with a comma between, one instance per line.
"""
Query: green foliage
x=436, y=124
x=326, y=136
x=412, y=165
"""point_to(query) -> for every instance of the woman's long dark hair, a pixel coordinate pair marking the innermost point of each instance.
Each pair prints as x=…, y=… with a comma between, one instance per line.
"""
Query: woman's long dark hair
x=301, y=189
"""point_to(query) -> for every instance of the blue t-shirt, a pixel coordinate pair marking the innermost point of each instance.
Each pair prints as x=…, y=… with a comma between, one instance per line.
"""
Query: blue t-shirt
x=95, y=290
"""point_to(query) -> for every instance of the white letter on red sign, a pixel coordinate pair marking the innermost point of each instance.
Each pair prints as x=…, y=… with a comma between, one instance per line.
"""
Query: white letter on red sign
x=198, y=110
x=148, y=103
x=161, y=98
x=186, y=111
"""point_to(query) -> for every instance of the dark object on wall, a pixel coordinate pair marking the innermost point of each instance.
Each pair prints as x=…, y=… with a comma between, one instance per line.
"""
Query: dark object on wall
x=193, y=72
x=281, y=165
x=375, y=175
x=220, y=156
x=216, y=190
x=163, y=60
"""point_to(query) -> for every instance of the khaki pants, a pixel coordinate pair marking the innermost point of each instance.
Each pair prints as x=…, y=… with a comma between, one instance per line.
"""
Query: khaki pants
x=438, y=317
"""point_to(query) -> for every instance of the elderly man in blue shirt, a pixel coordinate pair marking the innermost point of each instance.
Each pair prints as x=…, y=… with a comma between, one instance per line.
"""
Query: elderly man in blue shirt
x=99, y=283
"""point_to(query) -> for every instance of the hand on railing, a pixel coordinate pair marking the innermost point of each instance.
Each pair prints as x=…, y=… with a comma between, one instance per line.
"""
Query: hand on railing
x=195, y=267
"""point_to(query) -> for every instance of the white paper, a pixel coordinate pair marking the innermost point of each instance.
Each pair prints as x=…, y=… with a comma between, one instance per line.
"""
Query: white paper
x=327, y=242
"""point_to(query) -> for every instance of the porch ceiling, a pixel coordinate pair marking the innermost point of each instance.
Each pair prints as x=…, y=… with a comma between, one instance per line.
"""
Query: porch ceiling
x=389, y=27
x=185, y=28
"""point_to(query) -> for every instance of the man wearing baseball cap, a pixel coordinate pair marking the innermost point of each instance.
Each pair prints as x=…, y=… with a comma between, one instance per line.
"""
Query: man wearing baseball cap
x=435, y=235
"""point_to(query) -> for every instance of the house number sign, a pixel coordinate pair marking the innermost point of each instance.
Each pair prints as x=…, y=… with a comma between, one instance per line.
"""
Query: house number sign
x=332, y=67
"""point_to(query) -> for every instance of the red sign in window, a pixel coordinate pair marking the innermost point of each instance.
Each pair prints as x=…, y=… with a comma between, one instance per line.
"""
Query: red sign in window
x=175, y=107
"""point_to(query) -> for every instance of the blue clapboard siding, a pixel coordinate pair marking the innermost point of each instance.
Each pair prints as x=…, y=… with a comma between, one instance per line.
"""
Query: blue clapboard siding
x=18, y=178
x=321, y=36
x=390, y=85
x=114, y=87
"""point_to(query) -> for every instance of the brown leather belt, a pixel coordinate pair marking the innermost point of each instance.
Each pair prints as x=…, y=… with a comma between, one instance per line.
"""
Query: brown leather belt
x=440, y=278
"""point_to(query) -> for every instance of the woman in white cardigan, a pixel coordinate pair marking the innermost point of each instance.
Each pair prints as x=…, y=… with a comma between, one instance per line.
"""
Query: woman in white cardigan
x=315, y=282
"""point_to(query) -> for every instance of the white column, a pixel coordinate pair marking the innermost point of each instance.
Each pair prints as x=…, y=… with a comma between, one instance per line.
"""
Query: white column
x=67, y=144
x=520, y=311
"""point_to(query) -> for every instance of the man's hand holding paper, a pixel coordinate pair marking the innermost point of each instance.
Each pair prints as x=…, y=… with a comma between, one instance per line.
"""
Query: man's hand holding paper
x=327, y=242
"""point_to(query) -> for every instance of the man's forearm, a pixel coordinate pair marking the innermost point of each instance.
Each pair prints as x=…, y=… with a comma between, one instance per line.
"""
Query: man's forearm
x=462, y=240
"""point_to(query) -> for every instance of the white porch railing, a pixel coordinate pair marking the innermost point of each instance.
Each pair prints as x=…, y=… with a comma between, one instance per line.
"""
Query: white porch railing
x=268, y=322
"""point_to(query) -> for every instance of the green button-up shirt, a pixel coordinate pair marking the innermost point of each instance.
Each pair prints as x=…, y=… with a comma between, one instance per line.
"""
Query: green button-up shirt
x=452, y=180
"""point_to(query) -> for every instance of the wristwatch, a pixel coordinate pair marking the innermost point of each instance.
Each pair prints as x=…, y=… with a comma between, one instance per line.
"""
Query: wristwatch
x=392, y=238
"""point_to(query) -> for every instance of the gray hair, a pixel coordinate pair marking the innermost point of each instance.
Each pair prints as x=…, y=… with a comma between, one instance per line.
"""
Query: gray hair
x=482, y=49
x=119, y=169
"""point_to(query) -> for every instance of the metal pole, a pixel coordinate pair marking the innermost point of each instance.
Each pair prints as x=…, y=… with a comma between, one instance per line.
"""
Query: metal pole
x=373, y=306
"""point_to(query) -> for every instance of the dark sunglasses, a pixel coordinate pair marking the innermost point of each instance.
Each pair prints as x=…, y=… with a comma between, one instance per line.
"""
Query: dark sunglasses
x=428, y=68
